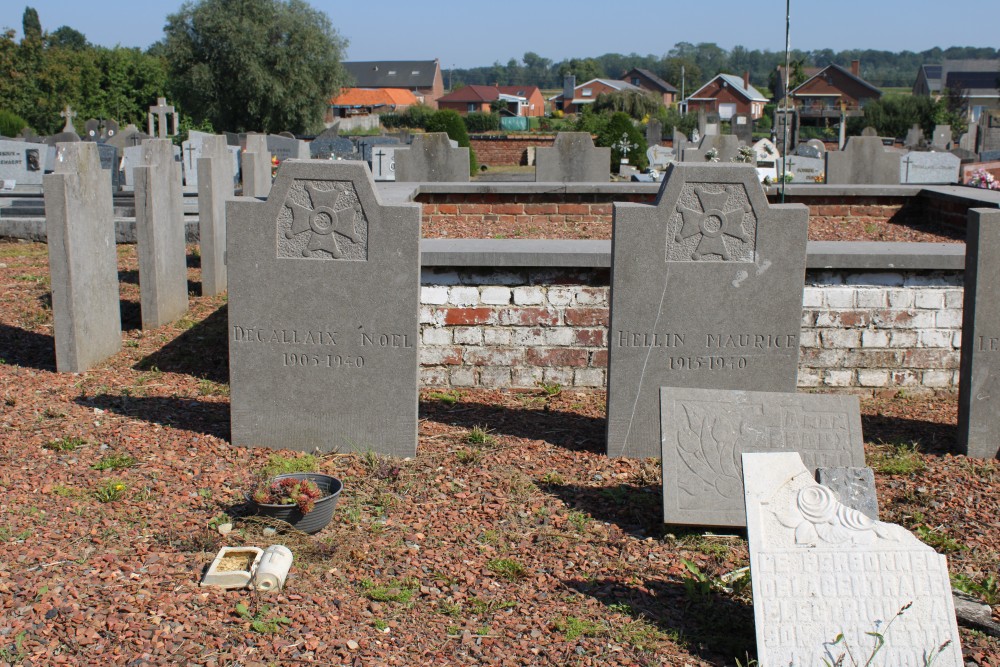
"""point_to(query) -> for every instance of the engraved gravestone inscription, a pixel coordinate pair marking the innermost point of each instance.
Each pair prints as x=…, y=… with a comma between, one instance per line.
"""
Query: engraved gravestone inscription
x=323, y=314
x=706, y=291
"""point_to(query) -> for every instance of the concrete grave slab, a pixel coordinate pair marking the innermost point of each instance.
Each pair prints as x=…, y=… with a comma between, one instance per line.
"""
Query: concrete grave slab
x=323, y=314
x=706, y=292
x=572, y=158
x=431, y=158
x=705, y=432
x=821, y=570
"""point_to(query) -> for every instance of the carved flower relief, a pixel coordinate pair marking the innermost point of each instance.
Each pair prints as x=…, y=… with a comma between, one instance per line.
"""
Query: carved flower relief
x=817, y=515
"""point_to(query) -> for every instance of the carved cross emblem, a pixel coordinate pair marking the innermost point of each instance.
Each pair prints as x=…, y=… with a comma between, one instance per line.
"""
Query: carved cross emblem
x=323, y=220
x=713, y=222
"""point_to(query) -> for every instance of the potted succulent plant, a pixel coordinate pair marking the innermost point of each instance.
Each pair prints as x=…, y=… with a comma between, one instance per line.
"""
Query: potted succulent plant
x=305, y=500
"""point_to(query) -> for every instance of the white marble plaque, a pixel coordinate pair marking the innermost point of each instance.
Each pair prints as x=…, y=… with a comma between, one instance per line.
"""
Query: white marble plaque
x=384, y=163
x=826, y=576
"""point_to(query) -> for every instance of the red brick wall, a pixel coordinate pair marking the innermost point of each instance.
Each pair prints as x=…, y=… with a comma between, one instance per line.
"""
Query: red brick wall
x=524, y=208
x=499, y=150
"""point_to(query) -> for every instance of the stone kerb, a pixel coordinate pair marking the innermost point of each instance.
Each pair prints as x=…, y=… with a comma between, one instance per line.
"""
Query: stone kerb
x=706, y=291
x=82, y=259
x=431, y=158
x=572, y=158
x=323, y=314
x=215, y=188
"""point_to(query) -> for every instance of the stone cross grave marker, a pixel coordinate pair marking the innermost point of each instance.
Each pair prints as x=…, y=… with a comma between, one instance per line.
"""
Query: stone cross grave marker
x=821, y=570
x=160, y=235
x=865, y=161
x=705, y=432
x=979, y=378
x=706, y=292
x=929, y=167
x=323, y=314
x=573, y=158
x=215, y=189
x=22, y=162
x=431, y=157
x=69, y=115
x=83, y=261
x=159, y=112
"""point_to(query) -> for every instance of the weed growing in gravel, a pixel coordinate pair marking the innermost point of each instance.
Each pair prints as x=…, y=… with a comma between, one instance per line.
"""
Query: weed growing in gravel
x=6, y=534
x=9, y=401
x=401, y=592
x=579, y=521
x=15, y=653
x=209, y=388
x=573, y=628
x=260, y=622
x=553, y=389
x=450, y=609
x=939, y=541
x=65, y=444
x=553, y=478
x=110, y=490
x=468, y=457
x=380, y=625
x=115, y=462
x=480, y=436
x=640, y=634
x=52, y=413
x=508, y=568
x=985, y=588
x=897, y=458
x=489, y=607
x=64, y=491
x=279, y=464
x=447, y=397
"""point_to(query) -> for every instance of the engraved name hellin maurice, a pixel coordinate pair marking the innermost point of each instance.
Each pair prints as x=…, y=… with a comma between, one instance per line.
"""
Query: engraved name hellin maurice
x=720, y=341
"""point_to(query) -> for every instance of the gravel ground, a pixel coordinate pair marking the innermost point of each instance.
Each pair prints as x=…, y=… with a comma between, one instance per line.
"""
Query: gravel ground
x=509, y=540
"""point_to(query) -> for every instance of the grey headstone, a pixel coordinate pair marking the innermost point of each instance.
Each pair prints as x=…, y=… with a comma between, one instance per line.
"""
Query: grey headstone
x=110, y=162
x=328, y=144
x=232, y=139
x=793, y=128
x=805, y=169
x=741, y=126
x=83, y=261
x=654, y=132
x=287, y=147
x=92, y=130
x=869, y=131
x=942, y=137
x=914, y=137
x=191, y=151
x=22, y=162
x=384, y=163
x=989, y=156
x=988, y=131
x=687, y=307
x=821, y=570
x=130, y=136
x=215, y=188
x=323, y=314
x=572, y=158
x=256, y=166
x=432, y=158
x=705, y=432
x=818, y=145
x=929, y=167
x=979, y=380
x=159, y=229
x=131, y=158
x=725, y=145
x=62, y=138
x=366, y=145
x=702, y=122
x=808, y=150
x=968, y=140
x=680, y=142
x=854, y=486
x=864, y=161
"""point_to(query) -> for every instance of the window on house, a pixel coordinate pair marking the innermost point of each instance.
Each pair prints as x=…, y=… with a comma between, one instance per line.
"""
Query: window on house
x=635, y=81
x=392, y=72
x=471, y=107
x=415, y=72
x=587, y=92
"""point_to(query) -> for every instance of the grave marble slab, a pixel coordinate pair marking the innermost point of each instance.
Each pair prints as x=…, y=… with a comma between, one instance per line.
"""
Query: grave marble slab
x=22, y=162
x=864, y=161
x=805, y=169
x=572, y=158
x=431, y=158
x=979, y=374
x=215, y=188
x=854, y=486
x=323, y=314
x=366, y=145
x=660, y=156
x=83, y=261
x=821, y=570
x=706, y=292
x=384, y=163
x=929, y=167
x=131, y=158
x=705, y=432
x=766, y=152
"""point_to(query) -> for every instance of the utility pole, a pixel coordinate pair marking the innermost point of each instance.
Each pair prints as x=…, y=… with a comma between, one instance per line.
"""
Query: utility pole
x=784, y=140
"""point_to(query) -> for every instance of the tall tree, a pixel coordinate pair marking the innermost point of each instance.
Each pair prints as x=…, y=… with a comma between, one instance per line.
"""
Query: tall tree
x=267, y=65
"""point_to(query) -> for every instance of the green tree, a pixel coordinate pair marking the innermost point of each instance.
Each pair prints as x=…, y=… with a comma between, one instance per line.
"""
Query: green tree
x=448, y=120
x=584, y=69
x=268, y=65
x=637, y=104
x=625, y=140
x=31, y=25
x=894, y=115
x=67, y=38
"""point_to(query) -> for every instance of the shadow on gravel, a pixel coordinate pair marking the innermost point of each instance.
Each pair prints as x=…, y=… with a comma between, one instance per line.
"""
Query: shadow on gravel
x=574, y=432
x=931, y=437
x=130, y=276
x=202, y=351
x=27, y=348
x=131, y=313
x=711, y=624
x=636, y=510
x=209, y=418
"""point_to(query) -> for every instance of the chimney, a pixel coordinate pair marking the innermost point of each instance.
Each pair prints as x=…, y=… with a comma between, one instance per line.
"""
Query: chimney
x=856, y=68
x=569, y=86
x=746, y=80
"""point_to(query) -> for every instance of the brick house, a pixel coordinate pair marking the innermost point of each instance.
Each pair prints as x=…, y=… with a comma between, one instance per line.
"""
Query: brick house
x=521, y=100
x=727, y=95
x=978, y=79
x=364, y=101
x=421, y=77
x=822, y=96
x=574, y=97
x=648, y=81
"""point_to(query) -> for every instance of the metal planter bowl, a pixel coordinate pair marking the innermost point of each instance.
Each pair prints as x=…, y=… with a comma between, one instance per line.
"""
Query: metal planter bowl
x=314, y=521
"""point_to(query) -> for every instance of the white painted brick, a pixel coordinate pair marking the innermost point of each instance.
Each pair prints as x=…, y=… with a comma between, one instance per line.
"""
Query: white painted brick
x=934, y=338
x=434, y=377
x=937, y=378
x=433, y=356
x=927, y=298
x=468, y=335
x=871, y=298
x=529, y=296
x=560, y=376
x=588, y=377
x=839, y=297
x=901, y=298
x=956, y=341
x=431, y=315
x=463, y=296
x=838, y=378
x=591, y=296
x=953, y=298
x=948, y=319
x=494, y=356
x=498, y=336
x=525, y=376
x=560, y=296
x=955, y=378
x=874, y=339
x=870, y=377
x=905, y=378
x=808, y=377
x=809, y=339
x=808, y=318
x=495, y=296
x=560, y=336
x=437, y=336
x=528, y=337
x=922, y=319
x=826, y=358
x=463, y=377
x=494, y=377
x=840, y=338
x=812, y=297
x=902, y=339
x=435, y=295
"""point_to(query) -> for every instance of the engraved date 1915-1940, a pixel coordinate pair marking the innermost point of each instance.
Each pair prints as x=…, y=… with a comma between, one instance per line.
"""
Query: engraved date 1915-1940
x=303, y=360
x=707, y=363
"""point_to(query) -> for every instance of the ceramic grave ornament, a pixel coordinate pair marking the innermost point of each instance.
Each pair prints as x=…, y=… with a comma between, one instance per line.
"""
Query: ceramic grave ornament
x=323, y=313
x=706, y=291
x=826, y=576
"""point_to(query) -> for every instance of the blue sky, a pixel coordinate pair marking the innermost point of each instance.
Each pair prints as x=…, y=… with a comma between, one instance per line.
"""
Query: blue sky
x=470, y=34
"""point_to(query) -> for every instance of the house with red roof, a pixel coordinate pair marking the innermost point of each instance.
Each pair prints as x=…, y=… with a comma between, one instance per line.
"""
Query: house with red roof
x=832, y=91
x=521, y=100
x=367, y=101
x=727, y=95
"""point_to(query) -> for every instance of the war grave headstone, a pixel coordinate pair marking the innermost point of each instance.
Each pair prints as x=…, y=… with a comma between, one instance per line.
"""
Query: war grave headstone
x=215, y=188
x=706, y=293
x=431, y=157
x=572, y=158
x=705, y=432
x=741, y=125
x=158, y=119
x=384, y=163
x=821, y=570
x=111, y=163
x=83, y=261
x=929, y=167
x=654, y=132
x=725, y=147
x=914, y=137
x=160, y=235
x=255, y=166
x=22, y=163
x=323, y=314
x=864, y=161
x=979, y=375
x=942, y=137
x=854, y=486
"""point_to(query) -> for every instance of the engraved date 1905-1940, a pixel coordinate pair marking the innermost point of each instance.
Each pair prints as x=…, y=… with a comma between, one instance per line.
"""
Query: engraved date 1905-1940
x=292, y=359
